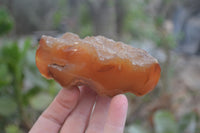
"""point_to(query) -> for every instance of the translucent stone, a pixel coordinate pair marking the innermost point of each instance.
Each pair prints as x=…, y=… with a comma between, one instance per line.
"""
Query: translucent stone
x=106, y=66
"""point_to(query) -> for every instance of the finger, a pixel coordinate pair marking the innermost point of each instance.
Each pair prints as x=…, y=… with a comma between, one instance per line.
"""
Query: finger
x=78, y=119
x=54, y=116
x=98, y=118
x=116, y=115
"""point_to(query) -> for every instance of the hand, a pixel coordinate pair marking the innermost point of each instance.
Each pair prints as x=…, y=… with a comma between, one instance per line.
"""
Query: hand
x=72, y=112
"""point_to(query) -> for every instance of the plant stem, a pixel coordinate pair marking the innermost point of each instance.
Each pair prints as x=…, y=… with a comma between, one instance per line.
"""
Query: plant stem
x=18, y=95
x=18, y=91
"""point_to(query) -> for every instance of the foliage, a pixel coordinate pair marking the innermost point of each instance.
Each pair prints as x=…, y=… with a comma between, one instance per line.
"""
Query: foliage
x=136, y=129
x=6, y=21
x=40, y=101
x=13, y=129
x=86, y=23
x=165, y=122
x=189, y=123
x=66, y=11
x=60, y=13
x=137, y=22
x=21, y=86
x=8, y=106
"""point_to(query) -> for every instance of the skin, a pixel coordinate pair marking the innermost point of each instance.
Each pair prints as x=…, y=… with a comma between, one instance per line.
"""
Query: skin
x=80, y=110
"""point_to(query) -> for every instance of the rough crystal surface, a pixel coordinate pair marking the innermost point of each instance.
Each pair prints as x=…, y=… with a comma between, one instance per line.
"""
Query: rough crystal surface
x=104, y=65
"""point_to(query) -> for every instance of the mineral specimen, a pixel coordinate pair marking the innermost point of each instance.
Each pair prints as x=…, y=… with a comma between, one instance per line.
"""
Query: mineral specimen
x=106, y=66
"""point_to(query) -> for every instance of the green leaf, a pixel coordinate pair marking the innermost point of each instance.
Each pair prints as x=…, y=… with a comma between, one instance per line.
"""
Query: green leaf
x=41, y=101
x=30, y=58
x=6, y=21
x=13, y=129
x=7, y=106
x=135, y=129
x=5, y=77
x=29, y=94
x=159, y=20
x=11, y=53
x=164, y=122
x=188, y=123
x=35, y=79
x=26, y=46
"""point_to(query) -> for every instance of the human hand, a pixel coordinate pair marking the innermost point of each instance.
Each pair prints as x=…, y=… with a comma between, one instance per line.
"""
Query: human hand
x=72, y=112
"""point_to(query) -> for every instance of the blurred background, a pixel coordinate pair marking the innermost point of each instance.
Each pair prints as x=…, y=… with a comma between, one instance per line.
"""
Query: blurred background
x=168, y=29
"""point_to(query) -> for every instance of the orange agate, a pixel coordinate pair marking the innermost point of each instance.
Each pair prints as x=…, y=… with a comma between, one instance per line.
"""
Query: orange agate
x=106, y=66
